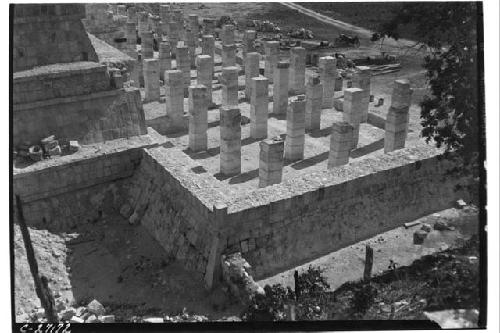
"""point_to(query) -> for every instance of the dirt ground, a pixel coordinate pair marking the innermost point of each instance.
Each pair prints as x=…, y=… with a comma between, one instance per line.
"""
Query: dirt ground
x=120, y=265
x=397, y=245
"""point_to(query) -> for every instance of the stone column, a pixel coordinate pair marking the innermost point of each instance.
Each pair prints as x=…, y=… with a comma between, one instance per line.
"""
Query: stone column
x=194, y=27
x=132, y=15
x=191, y=47
x=151, y=80
x=340, y=144
x=184, y=64
x=328, y=74
x=227, y=34
x=352, y=111
x=228, y=55
x=147, y=45
x=248, y=40
x=174, y=98
x=131, y=35
x=259, y=102
x=208, y=26
x=204, y=68
x=361, y=80
x=121, y=10
x=314, y=99
x=280, y=88
x=339, y=81
x=142, y=23
x=229, y=85
x=173, y=37
x=396, y=123
x=165, y=18
x=270, y=161
x=251, y=71
x=135, y=74
x=298, y=69
x=208, y=45
x=271, y=58
x=230, y=140
x=198, y=118
x=295, y=130
x=164, y=58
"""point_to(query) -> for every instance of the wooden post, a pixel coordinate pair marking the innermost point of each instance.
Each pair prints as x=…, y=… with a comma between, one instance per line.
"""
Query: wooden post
x=368, y=263
x=41, y=283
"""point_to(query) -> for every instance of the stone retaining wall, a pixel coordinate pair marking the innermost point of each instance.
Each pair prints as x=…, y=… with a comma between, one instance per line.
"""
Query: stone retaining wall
x=288, y=224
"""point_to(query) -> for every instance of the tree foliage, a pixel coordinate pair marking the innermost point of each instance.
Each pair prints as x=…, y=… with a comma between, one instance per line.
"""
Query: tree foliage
x=451, y=115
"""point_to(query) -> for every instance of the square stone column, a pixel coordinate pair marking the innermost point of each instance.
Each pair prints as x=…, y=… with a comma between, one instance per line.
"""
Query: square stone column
x=173, y=37
x=193, y=24
x=271, y=58
x=147, y=45
x=227, y=34
x=401, y=97
x=251, y=71
x=396, y=123
x=271, y=161
x=164, y=58
x=295, y=129
x=280, y=88
x=208, y=26
x=230, y=140
x=151, y=80
x=340, y=144
x=248, y=41
x=136, y=73
x=190, y=41
x=184, y=64
x=208, y=45
x=314, y=100
x=131, y=35
x=328, y=74
x=174, y=98
x=229, y=82
x=198, y=118
x=228, y=55
x=259, y=102
x=361, y=80
x=204, y=68
x=165, y=17
x=353, y=111
x=298, y=69
x=142, y=26
x=132, y=15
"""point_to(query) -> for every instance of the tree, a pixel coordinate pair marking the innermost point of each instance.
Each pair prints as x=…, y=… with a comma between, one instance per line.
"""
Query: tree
x=453, y=115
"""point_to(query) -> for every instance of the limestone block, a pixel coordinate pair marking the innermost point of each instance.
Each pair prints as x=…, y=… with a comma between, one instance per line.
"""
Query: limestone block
x=251, y=71
x=204, y=67
x=259, y=101
x=271, y=161
x=297, y=69
x=194, y=26
x=280, y=90
x=229, y=81
x=208, y=45
x=395, y=129
x=230, y=138
x=328, y=74
x=295, y=129
x=208, y=26
x=314, y=100
x=198, y=121
x=131, y=35
x=173, y=37
x=353, y=111
x=340, y=144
